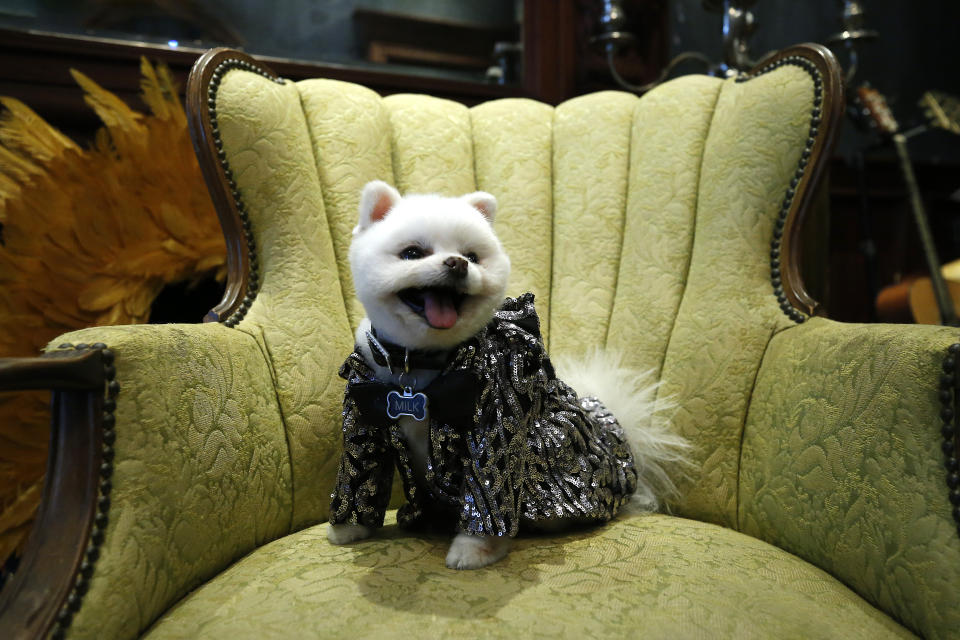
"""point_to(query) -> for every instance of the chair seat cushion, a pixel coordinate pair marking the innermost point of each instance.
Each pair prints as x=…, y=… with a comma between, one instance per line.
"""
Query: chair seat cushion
x=643, y=576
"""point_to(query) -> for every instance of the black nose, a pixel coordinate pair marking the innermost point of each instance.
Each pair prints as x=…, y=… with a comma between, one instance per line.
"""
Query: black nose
x=457, y=266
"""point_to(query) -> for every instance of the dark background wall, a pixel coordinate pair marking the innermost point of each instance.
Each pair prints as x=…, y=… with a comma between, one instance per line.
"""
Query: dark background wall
x=915, y=52
x=299, y=29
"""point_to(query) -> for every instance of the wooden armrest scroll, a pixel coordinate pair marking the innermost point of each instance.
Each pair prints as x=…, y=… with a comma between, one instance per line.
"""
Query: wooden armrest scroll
x=825, y=119
x=40, y=599
x=242, y=266
x=59, y=370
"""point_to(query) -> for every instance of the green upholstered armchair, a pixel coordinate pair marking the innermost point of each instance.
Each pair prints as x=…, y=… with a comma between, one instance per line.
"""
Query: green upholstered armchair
x=192, y=465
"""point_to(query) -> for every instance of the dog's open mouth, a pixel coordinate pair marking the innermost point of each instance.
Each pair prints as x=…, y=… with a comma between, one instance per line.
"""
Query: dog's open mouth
x=439, y=306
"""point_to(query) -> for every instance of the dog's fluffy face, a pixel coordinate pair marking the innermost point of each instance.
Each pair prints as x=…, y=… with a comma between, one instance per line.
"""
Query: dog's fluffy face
x=428, y=269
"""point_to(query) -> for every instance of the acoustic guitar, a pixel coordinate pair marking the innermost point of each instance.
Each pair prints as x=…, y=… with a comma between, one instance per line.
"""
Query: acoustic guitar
x=930, y=299
x=913, y=298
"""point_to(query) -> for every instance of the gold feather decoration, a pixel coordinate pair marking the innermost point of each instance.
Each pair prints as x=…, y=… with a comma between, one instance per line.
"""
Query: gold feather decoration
x=89, y=237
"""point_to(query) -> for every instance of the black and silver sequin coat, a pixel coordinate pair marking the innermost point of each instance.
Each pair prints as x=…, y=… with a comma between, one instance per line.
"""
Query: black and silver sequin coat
x=532, y=451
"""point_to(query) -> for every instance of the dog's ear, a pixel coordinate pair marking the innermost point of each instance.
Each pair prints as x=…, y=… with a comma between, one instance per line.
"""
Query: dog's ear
x=375, y=203
x=482, y=202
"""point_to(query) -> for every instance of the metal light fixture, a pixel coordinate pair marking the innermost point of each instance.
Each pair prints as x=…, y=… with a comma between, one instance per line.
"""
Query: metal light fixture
x=852, y=34
x=739, y=24
x=613, y=37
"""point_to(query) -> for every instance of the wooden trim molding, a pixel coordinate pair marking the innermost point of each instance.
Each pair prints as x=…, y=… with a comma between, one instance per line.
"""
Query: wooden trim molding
x=41, y=598
x=550, y=49
x=949, y=393
x=33, y=68
x=243, y=278
x=825, y=118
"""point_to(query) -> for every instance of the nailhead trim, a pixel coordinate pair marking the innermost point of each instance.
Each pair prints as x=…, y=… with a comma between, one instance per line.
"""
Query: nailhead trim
x=815, y=118
x=949, y=401
x=101, y=518
x=253, y=279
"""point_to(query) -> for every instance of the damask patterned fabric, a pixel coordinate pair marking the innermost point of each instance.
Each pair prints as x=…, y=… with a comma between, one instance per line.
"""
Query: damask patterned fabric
x=660, y=216
x=512, y=150
x=841, y=464
x=643, y=577
x=588, y=214
x=299, y=317
x=201, y=469
x=728, y=312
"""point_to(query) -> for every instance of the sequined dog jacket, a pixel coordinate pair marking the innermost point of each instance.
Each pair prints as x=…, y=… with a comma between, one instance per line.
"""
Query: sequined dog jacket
x=509, y=442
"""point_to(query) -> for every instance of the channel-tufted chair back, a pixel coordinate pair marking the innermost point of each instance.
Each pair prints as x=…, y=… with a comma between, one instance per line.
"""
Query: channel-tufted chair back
x=189, y=460
x=648, y=225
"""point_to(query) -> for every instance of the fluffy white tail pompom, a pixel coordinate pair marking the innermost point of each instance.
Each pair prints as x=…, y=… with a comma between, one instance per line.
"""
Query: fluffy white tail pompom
x=631, y=396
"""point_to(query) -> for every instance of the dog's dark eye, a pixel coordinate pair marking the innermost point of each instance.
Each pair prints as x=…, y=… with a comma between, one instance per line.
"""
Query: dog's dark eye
x=412, y=252
x=472, y=257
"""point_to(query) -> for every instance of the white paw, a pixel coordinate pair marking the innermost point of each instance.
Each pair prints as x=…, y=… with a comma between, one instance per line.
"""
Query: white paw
x=473, y=552
x=346, y=533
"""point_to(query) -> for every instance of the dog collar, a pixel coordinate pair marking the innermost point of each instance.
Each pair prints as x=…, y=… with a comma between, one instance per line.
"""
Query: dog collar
x=400, y=359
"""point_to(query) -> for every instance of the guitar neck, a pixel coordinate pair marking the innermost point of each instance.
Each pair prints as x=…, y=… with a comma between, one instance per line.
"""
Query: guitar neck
x=948, y=315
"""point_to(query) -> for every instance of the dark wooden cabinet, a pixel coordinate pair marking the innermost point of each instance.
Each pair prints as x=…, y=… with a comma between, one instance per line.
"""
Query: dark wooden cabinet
x=557, y=61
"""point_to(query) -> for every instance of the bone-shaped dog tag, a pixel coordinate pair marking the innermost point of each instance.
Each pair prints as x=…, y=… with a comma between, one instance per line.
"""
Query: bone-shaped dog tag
x=409, y=404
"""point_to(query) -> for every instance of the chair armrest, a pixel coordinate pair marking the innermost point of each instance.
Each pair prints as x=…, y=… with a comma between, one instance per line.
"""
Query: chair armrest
x=843, y=462
x=191, y=470
x=30, y=603
x=81, y=370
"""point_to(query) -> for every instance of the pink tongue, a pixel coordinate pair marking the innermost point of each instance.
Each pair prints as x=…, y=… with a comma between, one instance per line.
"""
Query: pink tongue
x=439, y=309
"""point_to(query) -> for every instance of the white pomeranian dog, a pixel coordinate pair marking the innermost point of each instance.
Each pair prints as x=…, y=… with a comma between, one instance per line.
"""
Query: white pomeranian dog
x=431, y=275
